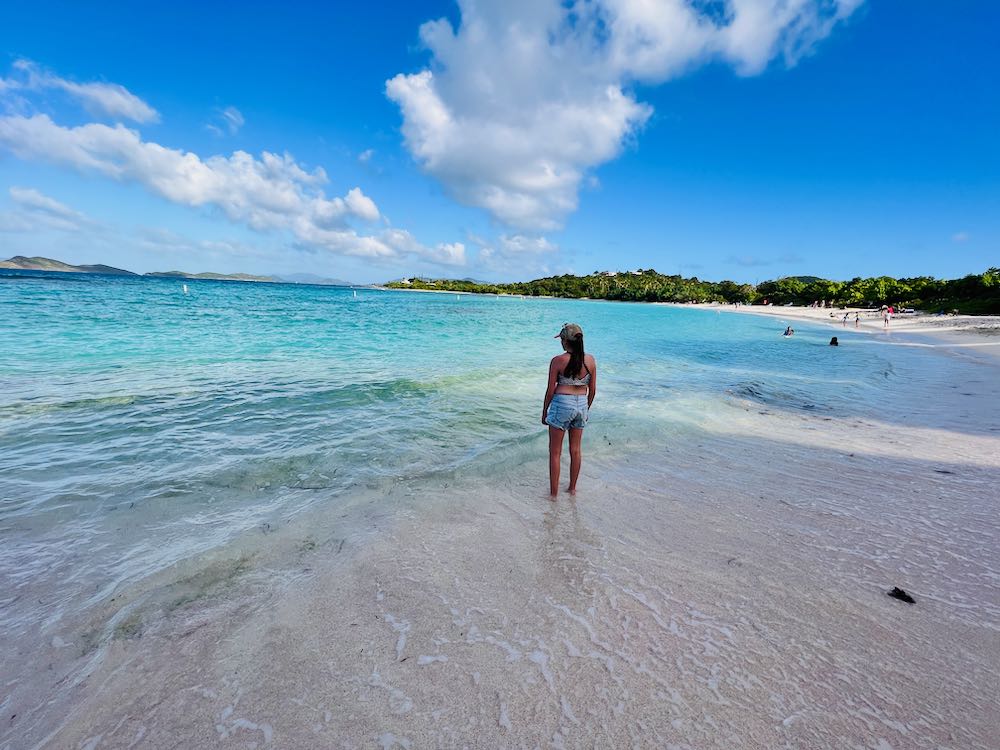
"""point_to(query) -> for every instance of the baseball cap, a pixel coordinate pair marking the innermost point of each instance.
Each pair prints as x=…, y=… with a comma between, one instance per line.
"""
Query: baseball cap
x=569, y=331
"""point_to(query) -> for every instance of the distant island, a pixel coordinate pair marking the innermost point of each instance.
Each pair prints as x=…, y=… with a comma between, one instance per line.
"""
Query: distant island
x=22, y=263
x=212, y=276
x=975, y=294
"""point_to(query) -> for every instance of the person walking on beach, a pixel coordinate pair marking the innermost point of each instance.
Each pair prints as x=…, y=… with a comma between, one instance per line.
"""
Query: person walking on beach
x=572, y=385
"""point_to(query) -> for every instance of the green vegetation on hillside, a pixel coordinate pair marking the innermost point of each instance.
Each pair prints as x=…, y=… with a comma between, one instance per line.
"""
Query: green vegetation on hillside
x=973, y=294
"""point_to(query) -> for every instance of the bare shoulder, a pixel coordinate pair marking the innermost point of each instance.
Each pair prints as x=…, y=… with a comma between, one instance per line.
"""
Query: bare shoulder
x=558, y=360
x=589, y=360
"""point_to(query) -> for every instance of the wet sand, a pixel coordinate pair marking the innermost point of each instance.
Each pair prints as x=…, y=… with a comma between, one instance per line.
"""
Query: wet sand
x=725, y=592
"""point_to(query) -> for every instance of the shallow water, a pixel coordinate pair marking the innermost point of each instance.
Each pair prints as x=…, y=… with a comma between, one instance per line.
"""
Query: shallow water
x=132, y=412
x=144, y=432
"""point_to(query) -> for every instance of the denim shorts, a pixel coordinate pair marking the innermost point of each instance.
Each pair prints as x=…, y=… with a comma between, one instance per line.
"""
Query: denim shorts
x=567, y=411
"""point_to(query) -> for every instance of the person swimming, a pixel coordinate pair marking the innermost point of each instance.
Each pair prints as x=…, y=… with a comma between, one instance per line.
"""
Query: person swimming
x=834, y=342
x=572, y=385
x=788, y=331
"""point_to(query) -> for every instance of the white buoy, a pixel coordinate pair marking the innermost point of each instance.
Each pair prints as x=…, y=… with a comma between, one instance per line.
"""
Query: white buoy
x=355, y=293
x=185, y=288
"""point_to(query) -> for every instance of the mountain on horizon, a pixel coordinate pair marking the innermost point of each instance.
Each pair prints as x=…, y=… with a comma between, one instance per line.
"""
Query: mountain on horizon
x=311, y=278
x=38, y=263
x=209, y=276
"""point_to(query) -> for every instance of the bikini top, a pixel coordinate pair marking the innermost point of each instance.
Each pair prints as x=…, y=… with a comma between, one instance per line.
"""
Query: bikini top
x=563, y=380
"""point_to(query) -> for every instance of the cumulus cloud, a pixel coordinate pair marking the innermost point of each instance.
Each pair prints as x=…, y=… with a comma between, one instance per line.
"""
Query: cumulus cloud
x=526, y=96
x=98, y=97
x=272, y=192
x=266, y=193
x=446, y=253
x=520, y=253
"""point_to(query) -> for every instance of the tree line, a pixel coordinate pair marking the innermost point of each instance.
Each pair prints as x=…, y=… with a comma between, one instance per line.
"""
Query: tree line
x=976, y=294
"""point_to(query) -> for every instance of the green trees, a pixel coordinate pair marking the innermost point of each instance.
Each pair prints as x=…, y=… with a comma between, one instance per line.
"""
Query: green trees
x=977, y=294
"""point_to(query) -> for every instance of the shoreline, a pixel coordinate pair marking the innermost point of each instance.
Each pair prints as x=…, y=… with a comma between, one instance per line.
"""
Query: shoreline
x=916, y=323
x=960, y=331
x=870, y=321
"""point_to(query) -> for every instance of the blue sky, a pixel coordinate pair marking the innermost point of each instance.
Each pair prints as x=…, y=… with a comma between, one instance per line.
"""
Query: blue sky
x=504, y=140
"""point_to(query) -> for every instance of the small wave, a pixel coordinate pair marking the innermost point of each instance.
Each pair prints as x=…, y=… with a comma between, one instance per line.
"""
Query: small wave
x=780, y=397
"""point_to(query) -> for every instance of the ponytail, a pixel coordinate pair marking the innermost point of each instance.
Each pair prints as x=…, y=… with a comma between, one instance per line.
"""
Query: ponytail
x=574, y=345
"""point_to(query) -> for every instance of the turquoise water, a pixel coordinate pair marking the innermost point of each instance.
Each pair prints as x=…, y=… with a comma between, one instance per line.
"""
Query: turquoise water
x=140, y=425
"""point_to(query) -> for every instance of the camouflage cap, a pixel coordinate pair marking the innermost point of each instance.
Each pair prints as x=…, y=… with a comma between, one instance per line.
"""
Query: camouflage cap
x=569, y=331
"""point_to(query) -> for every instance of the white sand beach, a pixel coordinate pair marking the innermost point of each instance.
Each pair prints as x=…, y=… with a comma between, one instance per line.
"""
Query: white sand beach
x=974, y=329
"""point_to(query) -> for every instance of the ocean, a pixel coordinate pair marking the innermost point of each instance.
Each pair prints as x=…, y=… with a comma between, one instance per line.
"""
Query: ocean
x=145, y=429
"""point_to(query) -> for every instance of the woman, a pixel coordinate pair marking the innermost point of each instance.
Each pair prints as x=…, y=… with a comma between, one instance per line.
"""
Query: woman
x=571, y=390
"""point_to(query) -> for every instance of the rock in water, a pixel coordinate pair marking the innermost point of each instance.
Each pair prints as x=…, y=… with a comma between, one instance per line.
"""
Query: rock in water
x=898, y=593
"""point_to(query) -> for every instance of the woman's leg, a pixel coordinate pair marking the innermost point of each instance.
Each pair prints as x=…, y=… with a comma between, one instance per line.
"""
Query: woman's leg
x=555, y=454
x=575, y=456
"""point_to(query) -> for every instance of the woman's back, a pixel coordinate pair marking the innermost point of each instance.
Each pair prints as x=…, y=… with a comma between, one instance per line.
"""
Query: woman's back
x=576, y=383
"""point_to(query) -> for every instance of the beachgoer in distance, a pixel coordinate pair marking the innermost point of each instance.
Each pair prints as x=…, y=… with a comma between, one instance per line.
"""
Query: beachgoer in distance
x=834, y=342
x=857, y=319
x=788, y=331
x=571, y=389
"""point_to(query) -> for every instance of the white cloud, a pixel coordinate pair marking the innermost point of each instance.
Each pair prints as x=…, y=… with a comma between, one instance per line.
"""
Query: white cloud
x=36, y=211
x=519, y=243
x=268, y=193
x=519, y=253
x=263, y=192
x=450, y=254
x=366, y=156
x=169, y=246
x=227, y=120
x=960, y=237
x=109, y=99
x=526, y=96
x=233, y=118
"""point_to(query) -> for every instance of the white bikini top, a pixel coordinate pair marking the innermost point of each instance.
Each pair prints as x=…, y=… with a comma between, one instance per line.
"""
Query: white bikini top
x=563, y=380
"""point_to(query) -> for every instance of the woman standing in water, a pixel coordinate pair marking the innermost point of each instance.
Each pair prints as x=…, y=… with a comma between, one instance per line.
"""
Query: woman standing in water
x=570, y=392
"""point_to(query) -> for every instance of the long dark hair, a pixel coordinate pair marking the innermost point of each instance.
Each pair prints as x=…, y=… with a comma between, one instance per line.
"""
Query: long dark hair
x=574, y=345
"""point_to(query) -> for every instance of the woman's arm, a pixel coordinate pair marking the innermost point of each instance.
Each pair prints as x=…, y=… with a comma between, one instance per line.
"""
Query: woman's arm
x=550, y=388
x=593, y=383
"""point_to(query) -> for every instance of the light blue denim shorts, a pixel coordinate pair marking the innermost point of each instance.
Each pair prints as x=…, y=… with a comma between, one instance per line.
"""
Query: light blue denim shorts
x=567, y=411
